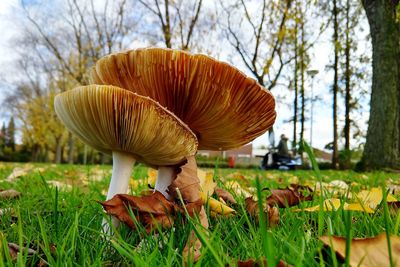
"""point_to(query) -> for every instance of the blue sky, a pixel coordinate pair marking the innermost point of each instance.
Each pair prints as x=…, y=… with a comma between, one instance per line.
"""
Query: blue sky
x=320, y=57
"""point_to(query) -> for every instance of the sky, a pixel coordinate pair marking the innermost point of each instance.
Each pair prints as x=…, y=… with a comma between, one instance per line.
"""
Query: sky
x=320, y=58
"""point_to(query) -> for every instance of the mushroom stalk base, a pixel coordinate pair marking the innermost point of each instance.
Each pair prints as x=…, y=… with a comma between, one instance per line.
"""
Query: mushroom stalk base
x=121, y=173
x=165, y=177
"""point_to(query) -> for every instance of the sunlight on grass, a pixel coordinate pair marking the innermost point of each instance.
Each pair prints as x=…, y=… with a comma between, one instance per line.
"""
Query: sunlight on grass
x=63, y=225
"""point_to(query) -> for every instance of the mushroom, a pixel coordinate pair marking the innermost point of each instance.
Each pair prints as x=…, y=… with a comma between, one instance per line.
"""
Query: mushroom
x=221, y=105
x=128, y=126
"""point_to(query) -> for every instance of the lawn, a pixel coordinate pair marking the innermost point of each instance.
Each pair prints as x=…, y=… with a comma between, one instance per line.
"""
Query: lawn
x=57, y=216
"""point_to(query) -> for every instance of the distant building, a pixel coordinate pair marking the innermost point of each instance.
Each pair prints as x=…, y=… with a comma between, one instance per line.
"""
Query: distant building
x=245, y=151
x=322, y=156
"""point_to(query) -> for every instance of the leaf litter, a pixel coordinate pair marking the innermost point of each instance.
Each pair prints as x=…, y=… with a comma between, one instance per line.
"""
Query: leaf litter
x=367, y=252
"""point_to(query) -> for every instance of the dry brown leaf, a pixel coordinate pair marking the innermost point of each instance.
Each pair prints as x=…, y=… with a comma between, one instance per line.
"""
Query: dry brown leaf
x=271, y=212
x=14, y=249
x=9, y=194
x=186, y=181
x=289, y=197
x=191, y=251
x=150, y=210
x=225, y=195
x=367, y=251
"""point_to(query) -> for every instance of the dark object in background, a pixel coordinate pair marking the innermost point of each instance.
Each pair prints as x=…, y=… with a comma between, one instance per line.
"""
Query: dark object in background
x=272, y=160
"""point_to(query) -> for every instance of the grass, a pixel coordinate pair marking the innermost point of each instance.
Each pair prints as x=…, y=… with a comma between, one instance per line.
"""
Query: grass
x=63, y=226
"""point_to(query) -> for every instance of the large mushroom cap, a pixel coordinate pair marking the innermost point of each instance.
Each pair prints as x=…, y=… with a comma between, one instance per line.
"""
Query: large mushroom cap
x=110, y=119
x=224, y=107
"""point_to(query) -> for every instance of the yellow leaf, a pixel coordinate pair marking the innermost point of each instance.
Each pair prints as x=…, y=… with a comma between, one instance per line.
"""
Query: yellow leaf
x=366, y=251
x=329, y=205
x=238, y=189
x=372, y=198
x=152, y=174
x=216, y=206
x=207, y=184
x=357, y=207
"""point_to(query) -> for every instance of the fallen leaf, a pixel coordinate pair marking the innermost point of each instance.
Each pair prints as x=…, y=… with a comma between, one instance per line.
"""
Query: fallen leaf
x=155, y=210
x=272, y=213
x=333, y=204
x=207, y=184
x=367, y=201
x=357, y=207
x=373, y=197
x=151, y=210
x=14, y=249
x=18, y=172
x=6, y=210
x=366, y=251
x=216, y=206
x=186, y=181
x=152, y=177
x=334, y=188
x=225, y=195
x=59, y=184
x=9, y=194
x=191, y=252
x=288, y=197
x=394, y=189
x=238, y=177
x=328, y=205
x=238, y=189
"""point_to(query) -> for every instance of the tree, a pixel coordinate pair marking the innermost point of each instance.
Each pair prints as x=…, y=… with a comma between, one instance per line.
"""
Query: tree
x=2, y=139
x=177, y=21
x=382, y=148
x=10, y=135
x=335, y=87
x=261, y=48
x=56, y=52
x=352, y=75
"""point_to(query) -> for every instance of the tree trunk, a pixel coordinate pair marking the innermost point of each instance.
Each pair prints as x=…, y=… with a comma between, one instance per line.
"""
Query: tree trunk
x=167, y=26
x=382, y=148
x=35, y=153
x=58, y=150
x=347, y=81
x=296, y=92
x=335, y=90
x=302, y=93
x=347, y=156
x=71, y=147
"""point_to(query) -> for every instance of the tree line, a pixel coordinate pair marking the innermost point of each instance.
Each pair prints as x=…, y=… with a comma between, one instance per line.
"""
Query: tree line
x=273, y=40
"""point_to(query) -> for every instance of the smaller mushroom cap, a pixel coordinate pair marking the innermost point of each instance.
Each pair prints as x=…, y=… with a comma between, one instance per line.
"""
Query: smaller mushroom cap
x=109, y=119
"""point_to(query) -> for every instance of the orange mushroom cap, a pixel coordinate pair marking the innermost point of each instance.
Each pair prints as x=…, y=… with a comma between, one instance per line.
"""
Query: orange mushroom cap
x=109, y=119
x=222, y=106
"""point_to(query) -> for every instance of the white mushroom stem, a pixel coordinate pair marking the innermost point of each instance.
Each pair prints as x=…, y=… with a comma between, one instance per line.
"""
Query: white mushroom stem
x=165, y=177
x=121, y=173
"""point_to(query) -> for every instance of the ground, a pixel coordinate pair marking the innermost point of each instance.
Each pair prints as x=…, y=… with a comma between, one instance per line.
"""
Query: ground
x=58, y=216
